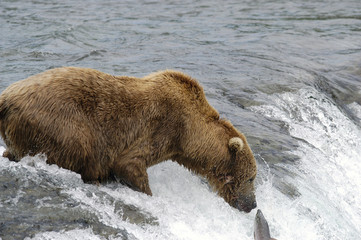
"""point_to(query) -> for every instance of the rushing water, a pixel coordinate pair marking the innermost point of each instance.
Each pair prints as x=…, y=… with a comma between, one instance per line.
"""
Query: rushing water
x=286, y=73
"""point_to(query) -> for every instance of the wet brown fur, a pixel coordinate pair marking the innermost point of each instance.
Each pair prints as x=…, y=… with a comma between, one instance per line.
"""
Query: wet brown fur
x=101, y=126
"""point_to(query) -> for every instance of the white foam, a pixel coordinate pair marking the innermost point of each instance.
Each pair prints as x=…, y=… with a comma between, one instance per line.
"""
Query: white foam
x=2, y=150
x=182, y=203
x=190, y=209
x=327, y=175
x=76, y=234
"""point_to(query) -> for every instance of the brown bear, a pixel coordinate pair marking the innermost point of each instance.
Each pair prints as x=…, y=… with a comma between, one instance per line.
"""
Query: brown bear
x=115, y=127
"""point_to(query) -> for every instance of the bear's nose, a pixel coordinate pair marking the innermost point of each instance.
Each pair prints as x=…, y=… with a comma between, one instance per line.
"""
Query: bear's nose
x=254, y=204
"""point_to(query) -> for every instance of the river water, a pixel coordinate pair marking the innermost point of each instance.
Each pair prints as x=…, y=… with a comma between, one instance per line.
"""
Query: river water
x=286, y=73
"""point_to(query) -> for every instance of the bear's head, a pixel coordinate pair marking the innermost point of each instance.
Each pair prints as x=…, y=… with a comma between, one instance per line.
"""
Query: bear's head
x=236, y=178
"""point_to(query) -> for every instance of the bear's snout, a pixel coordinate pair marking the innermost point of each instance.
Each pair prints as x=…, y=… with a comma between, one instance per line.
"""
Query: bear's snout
x=246, y=203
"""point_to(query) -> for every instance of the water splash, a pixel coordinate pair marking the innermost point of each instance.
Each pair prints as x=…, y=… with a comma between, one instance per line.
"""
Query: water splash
x=327, y=174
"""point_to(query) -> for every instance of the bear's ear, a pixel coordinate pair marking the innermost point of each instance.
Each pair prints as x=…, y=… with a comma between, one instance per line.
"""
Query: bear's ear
x=235, y=144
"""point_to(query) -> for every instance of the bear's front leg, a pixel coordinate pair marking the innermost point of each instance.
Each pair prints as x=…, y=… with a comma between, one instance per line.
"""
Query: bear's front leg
x=10, y=156
x=133, y=172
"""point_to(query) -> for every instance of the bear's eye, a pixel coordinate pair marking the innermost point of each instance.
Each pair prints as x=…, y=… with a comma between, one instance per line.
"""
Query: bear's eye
x=251, y=180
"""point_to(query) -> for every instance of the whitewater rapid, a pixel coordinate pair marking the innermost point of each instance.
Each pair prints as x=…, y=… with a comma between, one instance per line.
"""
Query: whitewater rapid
x=327, y=175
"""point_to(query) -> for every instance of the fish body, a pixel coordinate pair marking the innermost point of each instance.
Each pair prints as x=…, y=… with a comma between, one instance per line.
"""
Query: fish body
x=261, y=228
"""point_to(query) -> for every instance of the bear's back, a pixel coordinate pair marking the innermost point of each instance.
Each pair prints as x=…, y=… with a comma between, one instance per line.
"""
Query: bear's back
x=68, y=89
x=183, y=91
